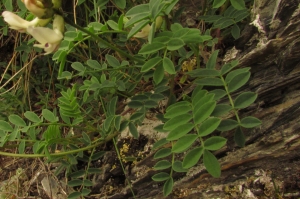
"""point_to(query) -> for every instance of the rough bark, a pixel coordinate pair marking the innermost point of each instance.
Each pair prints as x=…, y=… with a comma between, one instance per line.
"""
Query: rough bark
x=270, y=45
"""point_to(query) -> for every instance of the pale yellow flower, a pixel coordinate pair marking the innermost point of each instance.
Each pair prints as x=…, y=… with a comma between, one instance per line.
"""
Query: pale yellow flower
x=48, y=39
x=17, y=23
x=145, y=31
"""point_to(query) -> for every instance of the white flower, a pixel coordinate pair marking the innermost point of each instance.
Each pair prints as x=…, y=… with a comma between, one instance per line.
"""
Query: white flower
x=17, y=23
x=48, y=39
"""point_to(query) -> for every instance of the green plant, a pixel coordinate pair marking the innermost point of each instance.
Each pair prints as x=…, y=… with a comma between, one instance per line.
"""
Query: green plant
x=98, y=67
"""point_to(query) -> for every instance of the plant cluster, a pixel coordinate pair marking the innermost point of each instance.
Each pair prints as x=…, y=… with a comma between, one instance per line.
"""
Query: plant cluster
x=102, y=71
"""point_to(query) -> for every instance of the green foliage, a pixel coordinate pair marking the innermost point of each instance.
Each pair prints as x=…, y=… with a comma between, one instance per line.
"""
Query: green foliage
x=100, y=74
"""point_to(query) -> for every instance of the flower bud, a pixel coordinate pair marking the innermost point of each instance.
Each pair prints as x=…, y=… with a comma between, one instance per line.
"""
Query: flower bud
x=37, y=8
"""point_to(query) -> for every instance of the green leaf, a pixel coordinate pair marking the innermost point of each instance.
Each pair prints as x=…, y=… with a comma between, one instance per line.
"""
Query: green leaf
x=235, y=31
x=98, y=155
x=151, y=32
x=158, y=74
x=192, y=157
x=162, y=153
x=74, y=195
x=143, y=8
x=151, y=63
x=168, y=66
x=85, y=192
x=218, y=3
x=198, y=102
x=112, y=61
x=120, y=3
x=214, y=143
x=136, y=19
x=178, y=110
x=209, y=81
x=94, y=170
x=157, y=97
x=135, y=104
x=78, y=66
x=137, y=116
x=155, y=7
x=151, y=48
x=211, y=64
x=75, y=182
x=238, y=4
x=32, y=116
x=204, y=112
x=238, y=81
x=198, y=94
x=137, y=28
x=87, y=183
x=121, y=22
x=221, y=109
x=223, y=22
x=133, y=130
x=162, y=176
x=245, y=99
x=107, y=123
x=163, y=164
x=112, y=24
x=5, y=126
x=234, y=73
x=177, y=105
x=175, y=44
x=204, y=72
x=177, y=166
x=184, y=143
x=77, y=174
x=211, y=164
x=227, y=125
x=250, y=122
x=93, y=64
x=86, y=138
x=168, y=186
x=226, y=68
x=49, y=116
x=177, y=121
x=208, y=126
x=17, y=120
x=239, y=137
x=21, y=147
x=111, y=109
x=180, y=131
x=150, y=103
x=159, y=143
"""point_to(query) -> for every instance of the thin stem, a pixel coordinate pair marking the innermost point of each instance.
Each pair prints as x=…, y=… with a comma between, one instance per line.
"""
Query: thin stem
x=108, y=138
x=230, y=100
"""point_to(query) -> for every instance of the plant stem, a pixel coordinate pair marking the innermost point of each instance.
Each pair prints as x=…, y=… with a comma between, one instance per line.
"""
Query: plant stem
x=108, y=138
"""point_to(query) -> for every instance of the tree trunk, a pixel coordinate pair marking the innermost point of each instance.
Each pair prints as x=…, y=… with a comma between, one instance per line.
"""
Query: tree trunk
x=268, y=166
